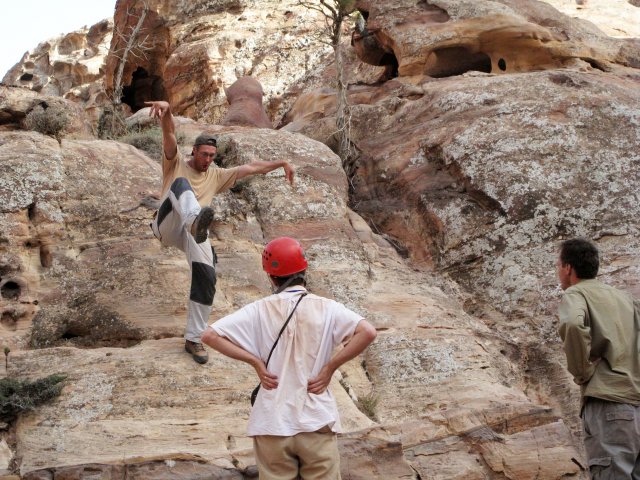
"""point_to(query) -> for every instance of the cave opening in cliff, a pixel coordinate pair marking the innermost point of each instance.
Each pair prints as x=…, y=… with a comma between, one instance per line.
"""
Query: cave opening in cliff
x=9, y=320
x=452, y=61
x=10, y=290
x=143, y=88
x=70, y=335
x=369, y=48
x=26, y=77
x=390, y=61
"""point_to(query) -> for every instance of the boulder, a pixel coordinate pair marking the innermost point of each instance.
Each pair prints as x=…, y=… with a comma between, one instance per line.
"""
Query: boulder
x=16, y=103
x=69, y=66
x=245, y=104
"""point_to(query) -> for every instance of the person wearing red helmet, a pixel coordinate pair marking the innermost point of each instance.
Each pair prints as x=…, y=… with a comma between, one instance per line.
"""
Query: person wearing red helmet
x=182, y=221
x=295, y=419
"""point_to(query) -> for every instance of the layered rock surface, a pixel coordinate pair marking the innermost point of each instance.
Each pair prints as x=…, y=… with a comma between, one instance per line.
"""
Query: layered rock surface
x=470, y=170
x=186, y=52
x=69, y=66
x=149, y=406
x=198, y=48
x=479, y=172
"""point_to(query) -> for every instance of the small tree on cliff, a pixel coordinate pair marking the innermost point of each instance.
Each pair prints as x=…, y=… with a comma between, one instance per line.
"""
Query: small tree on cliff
x=335, y=13
x=130, y=43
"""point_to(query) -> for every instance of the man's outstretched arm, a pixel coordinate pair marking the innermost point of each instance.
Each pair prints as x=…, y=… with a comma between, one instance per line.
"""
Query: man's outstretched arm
x=363, y=335
x=260, y=167
x=162, y=111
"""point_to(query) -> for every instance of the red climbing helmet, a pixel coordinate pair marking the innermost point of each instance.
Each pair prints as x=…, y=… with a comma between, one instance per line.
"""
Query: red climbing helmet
x=283, y=257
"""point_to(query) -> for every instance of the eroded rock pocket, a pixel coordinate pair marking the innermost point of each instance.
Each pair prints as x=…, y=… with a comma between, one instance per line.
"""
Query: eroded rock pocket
x=84, y=323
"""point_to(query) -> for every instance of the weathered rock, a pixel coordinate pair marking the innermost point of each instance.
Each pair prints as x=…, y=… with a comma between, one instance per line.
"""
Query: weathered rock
x=70, y=66
x=496, y=37
x=17, y=103
x=472, y=177
x=428, y=348
x=245, y=104
x=221, y=42
x=197, y=47
x=6, y=454
x=147, y=404
x=434, y=122
x=479, y=175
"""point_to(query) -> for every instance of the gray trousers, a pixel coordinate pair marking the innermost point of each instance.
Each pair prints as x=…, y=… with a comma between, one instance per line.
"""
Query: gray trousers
x=612, y=439
x=171, y=226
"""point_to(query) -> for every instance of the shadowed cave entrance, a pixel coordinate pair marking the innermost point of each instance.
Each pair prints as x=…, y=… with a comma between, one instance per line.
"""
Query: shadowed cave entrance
x=10, y=290
x=451, y=61
x=143, y=88
x=369, y=49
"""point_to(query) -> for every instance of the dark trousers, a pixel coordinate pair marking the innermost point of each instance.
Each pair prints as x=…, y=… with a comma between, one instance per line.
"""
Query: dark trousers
x=612, y=439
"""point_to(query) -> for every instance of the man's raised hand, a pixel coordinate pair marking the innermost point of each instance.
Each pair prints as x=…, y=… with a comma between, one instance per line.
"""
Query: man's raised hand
x=158, y=108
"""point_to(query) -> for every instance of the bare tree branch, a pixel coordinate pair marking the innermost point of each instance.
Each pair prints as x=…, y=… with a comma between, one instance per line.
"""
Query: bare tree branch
x=131, y=44
x=335, y=12
x=313, y=6
x=111, y=123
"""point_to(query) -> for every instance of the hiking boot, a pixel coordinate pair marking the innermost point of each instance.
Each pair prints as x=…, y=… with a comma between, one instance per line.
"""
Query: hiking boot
x=200, y=226
x=197, y=351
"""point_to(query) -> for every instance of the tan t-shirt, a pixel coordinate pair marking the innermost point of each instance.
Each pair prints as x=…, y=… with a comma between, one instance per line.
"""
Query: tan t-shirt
x=205, y=185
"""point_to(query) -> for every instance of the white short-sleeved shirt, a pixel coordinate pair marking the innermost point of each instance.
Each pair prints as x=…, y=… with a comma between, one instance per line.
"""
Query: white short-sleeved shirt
x=316, y=328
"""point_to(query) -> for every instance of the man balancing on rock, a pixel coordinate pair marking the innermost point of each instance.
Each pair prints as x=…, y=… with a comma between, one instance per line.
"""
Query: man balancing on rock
x=188, y=186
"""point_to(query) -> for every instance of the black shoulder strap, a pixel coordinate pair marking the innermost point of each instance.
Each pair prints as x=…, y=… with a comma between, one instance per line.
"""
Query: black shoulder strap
x=283, y=327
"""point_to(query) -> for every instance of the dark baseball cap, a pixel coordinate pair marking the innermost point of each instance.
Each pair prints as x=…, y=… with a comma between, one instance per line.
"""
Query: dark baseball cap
x=205, y=139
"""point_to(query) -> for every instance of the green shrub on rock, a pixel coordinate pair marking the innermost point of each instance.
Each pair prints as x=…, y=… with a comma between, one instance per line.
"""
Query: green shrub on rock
x=148, y=140
x=17, y=396
x=48, y=120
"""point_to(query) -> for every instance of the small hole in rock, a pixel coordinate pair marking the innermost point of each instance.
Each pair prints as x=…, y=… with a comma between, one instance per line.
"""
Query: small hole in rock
x=9, y=320
x=502, y=65
x=10, y=290
x=69, y=335
x=595, y=64
x=31, y=211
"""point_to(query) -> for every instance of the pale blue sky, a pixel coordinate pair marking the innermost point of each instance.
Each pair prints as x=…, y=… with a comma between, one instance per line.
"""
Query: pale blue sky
x=26, y=23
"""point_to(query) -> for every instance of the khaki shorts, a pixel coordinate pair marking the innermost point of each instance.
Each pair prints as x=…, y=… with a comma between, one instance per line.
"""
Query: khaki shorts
x=311, y=455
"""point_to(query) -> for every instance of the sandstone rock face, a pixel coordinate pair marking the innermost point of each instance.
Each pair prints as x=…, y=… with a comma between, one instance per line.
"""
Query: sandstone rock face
x=192, y=50
x=470, y=170
x=463, y=136
x=479, y=175
x=497, y=37
x=150, y=408
x=17, y=103
x=70, y=66
x=197, y=48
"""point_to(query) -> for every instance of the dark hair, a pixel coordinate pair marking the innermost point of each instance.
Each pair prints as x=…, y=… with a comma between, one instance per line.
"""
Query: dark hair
x=290, y=280
x=205, y=139
x=582, y=255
